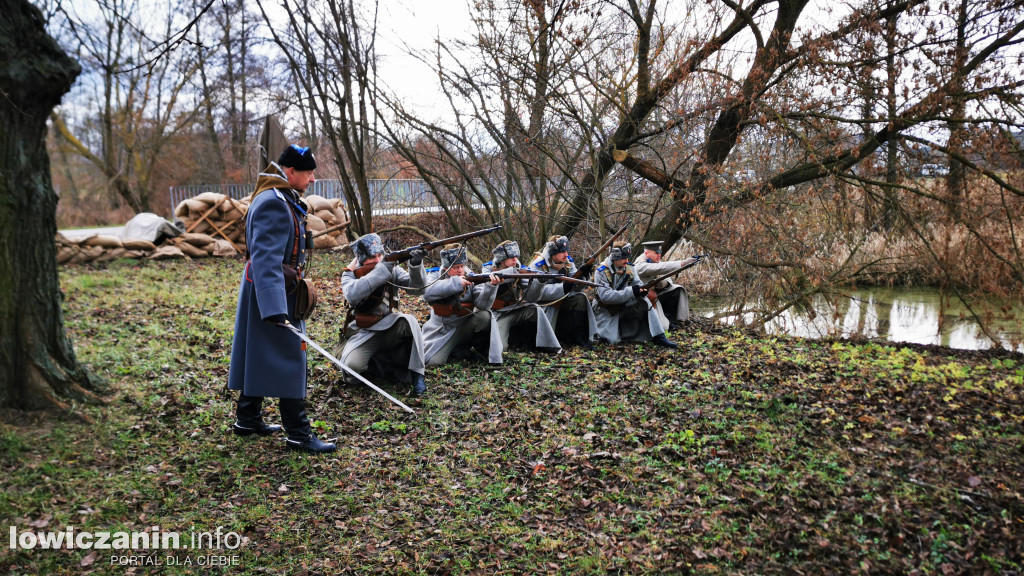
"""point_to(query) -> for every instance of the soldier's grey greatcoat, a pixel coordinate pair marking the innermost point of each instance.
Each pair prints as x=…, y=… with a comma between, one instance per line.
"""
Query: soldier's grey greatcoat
x=576, y=302
x=440, y=330
x=363, y=345
x=637, y=321
x=648, y=271
x=268, y=360
x=517, y=307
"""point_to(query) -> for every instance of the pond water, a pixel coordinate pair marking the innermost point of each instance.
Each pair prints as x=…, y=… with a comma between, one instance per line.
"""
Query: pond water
x=922, y=316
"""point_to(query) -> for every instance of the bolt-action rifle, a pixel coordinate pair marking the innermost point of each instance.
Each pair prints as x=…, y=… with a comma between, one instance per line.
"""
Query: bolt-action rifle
x=647, y=287
x=693, y=260
x=482, y=278
x=406, y=253
x=593, y=257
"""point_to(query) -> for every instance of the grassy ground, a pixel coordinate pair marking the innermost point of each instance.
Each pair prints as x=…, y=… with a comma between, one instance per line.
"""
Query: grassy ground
x=732, y=454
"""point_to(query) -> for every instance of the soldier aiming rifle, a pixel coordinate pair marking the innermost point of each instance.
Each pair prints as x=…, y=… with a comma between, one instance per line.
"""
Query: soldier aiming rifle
x=378, y=334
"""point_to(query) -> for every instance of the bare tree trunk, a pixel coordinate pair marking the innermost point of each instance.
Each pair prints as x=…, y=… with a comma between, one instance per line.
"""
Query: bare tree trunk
x=38, y=368
x=956, y=181
x=890, y=207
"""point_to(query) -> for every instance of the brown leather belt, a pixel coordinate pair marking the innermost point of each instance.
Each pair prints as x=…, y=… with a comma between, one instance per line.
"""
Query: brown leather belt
x=367, y=320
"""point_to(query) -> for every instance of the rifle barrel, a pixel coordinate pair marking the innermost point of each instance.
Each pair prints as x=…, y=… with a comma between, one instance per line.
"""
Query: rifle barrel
x=649, y=285
x=403, y=254
x=594, y=256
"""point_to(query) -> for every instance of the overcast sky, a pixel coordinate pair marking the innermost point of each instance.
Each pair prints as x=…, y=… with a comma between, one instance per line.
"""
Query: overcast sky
x=416, y=24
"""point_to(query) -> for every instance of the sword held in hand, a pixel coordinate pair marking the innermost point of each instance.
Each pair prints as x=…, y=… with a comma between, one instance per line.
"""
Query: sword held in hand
x=338, y=363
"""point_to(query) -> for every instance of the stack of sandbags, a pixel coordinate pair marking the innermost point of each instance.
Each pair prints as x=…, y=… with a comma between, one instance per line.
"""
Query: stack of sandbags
x=199, y=246
x=221, y=212
x=99, y=248
x=324, y=215
x=229, y=215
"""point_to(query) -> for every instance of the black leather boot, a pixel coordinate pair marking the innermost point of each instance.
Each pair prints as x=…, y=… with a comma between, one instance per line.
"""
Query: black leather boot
x=296, y=424
x=660, y=340
x=249, y=417
x=582, y=324
x=419, y=385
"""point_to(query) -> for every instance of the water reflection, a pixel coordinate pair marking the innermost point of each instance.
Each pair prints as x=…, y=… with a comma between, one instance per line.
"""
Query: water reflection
x=921, y=316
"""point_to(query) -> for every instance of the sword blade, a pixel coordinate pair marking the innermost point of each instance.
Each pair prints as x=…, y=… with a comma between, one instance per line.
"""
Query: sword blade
x=338, y=363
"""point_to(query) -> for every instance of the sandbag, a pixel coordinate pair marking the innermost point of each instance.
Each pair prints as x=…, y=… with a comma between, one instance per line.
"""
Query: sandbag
x=198, y=240
x=209, y=198
x=315, y=224
x=193, y=251
x=231, y=210
x=167, y=253
x=139, y=245
x=89, y=254
x=324, y=242
x=103, y=241
x=330, y=218
x=318, y=203
x=221, y=248
x=65, y=254
x=187, y=207
x=111, y=255
x=201, y=227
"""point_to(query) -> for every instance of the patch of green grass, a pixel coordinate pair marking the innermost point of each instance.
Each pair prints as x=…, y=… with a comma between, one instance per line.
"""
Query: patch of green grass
x=733, y=454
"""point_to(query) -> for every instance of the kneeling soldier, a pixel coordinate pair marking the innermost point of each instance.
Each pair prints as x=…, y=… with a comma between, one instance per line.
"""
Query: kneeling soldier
x=459, y=315
x=514, y=303
x=566, y=306
x=623, y=310
x=673, y=300
x=379, y=332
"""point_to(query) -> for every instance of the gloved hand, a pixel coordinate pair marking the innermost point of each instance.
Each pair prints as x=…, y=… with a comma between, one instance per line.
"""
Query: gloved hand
x=638, y=293
x=567, y=287
x=276, y=319
x=585, y=271
x=416, y=257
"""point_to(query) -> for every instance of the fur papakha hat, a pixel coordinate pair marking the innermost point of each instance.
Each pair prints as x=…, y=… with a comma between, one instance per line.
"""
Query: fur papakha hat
x=452, y=255
x=505, y=250
x=367, y=246
x=621, y=251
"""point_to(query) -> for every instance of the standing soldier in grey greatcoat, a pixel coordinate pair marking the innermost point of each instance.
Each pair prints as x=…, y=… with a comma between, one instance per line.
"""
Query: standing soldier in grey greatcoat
x=379, y=333
x=673, y=300
x=268, y=360
x=459, y=315
x=624, y=311
x=566, y=306
x=514, y=302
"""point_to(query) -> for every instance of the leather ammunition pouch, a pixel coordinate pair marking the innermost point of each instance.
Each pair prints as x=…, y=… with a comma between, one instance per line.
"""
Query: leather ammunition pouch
x=304, y=290
x=498, y=304
x=367, y=320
